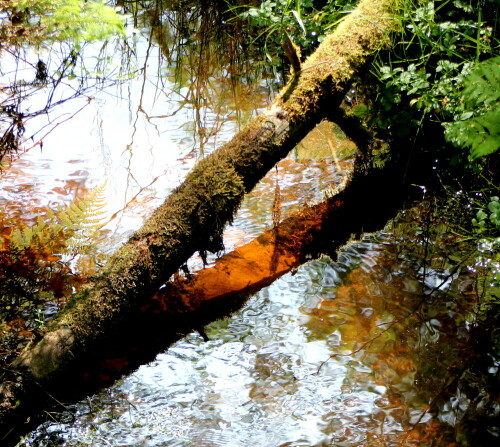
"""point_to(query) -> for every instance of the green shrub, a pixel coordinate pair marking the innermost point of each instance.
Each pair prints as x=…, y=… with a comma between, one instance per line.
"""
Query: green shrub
x=478, y=127
x=73, y=20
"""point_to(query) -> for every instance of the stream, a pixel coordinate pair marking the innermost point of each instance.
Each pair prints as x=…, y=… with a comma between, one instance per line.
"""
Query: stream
x=268, y=375
x=353, y=351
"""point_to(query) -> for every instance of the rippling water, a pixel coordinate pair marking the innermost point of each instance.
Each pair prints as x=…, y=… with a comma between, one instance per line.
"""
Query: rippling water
x=325, y=356
x=338, y=353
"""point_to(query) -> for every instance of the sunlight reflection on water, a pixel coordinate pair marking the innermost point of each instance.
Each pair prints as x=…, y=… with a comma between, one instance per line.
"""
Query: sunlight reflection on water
x=314, y=359
x=266, y=375
x=112, y=140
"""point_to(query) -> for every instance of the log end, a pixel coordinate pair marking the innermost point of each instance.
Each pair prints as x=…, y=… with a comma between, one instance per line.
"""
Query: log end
x=48, y=355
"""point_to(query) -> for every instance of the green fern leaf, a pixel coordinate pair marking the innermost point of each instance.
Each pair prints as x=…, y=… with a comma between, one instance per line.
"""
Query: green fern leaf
x=479, y=133
x=17, y=240
x=26, y=236
x=39, y=260
x=69, y=230
x=481, y=86
x=87, y=218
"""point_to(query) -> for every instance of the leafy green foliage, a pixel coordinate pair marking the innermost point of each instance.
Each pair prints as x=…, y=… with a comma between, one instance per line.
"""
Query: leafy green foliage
x=478, y=127
x=73, y=20
x=487, y=219
x=423, y=75
x=304, y=25
x=482, y=85
x=486, y=231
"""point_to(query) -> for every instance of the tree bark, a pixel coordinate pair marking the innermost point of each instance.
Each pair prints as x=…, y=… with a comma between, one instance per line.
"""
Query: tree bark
x=191, y=219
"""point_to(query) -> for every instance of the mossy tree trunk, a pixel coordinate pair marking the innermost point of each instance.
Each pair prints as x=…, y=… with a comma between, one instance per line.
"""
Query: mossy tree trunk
x=63, y=364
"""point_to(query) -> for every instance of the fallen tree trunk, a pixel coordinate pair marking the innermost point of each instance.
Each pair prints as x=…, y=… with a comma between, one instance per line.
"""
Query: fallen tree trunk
x=189, y=302
x=191, y=219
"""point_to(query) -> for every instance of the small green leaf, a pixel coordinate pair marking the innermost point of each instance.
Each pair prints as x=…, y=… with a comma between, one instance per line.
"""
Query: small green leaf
x=300, y=22
x=481, y=215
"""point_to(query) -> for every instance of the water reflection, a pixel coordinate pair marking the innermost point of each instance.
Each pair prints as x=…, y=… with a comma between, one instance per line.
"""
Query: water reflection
x=344, y=353
x=333, y=355
x=172, y=102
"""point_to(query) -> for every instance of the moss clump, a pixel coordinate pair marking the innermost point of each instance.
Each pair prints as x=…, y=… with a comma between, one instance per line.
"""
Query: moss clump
x=218, y=184
x=341, y=54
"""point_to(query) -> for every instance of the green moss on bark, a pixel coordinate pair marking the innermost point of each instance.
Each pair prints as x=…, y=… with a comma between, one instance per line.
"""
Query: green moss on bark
x=193, y=217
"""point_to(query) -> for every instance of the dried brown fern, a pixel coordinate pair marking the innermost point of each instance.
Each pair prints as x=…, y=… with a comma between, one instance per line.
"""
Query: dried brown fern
x=37, y=260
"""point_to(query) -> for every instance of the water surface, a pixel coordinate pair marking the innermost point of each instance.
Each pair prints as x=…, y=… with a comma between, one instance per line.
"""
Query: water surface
x=342, y=353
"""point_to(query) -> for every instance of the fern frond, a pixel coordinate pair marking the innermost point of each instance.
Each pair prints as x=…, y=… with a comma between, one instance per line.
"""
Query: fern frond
x=38, y=260
x=482, y=85
x=480, y=133
x=17, y=240
x=66, y=231
x=84, y=218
